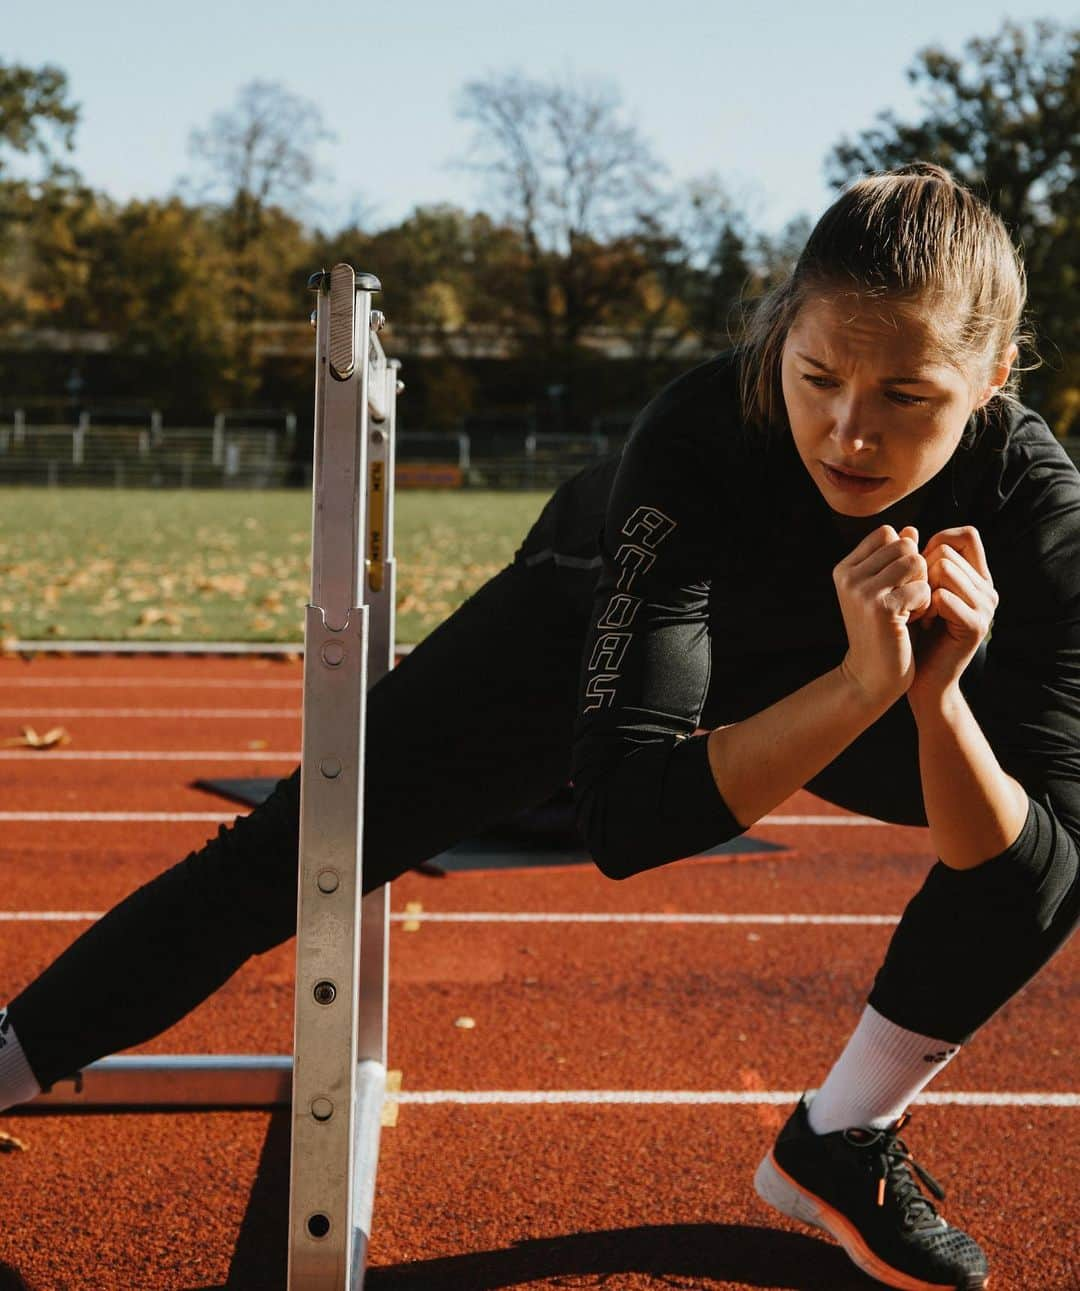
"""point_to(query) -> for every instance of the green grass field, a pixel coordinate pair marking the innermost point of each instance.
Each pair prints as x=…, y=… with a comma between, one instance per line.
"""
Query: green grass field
x=151, y=565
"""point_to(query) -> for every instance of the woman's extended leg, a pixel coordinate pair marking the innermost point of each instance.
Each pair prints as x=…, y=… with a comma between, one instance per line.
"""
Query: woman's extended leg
x=474, y=725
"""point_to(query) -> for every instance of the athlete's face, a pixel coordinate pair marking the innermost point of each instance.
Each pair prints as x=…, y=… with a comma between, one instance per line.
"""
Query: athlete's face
x=874, y=409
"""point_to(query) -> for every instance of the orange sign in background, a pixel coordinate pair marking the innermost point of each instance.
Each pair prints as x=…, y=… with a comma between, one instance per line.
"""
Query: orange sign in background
x=425, y=475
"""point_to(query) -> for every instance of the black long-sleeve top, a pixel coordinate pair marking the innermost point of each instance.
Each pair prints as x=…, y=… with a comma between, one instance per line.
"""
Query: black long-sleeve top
x=715, y=599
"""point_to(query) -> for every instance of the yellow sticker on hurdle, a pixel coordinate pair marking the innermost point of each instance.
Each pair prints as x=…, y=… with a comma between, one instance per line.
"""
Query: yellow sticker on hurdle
x=376, y=536
x=391, y=1106
x=412, y=925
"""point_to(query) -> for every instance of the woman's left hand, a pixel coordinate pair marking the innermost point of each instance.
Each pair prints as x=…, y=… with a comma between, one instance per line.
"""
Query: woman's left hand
x=962, y=605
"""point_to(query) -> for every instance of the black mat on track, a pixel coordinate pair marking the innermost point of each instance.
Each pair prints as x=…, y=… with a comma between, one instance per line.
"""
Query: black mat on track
x=542, y=836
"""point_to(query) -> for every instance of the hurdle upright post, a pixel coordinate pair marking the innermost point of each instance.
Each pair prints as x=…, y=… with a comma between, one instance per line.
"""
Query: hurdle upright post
x=339, y=1064
x=336, y=1075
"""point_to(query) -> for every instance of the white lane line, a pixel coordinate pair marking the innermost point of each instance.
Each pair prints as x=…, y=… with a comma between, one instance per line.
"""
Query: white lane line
x=699, y=1097
x=812, y=920
x=97, y=683
x=194, y=648
x=122, y=817
x=50, y=916
x=136, y=816
x=425, y=916
x=143, y=755
x=229, y=713
x=826, y=820
x=198, y=649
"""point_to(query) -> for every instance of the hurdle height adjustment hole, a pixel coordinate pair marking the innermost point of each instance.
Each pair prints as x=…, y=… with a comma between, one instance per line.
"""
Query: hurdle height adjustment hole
x=330, y=767
x=333, y=654
x=318, y=1225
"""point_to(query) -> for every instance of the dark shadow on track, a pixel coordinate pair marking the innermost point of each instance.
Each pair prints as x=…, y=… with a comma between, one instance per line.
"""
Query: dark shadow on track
x=680, y=1256
x=12, y=1280
x=262, y=1248
x=261, y=1254
x=260, y=1258
x=676, y=1255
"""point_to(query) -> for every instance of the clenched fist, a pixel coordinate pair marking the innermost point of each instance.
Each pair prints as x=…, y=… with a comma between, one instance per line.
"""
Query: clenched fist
x=882, y=586
x=963, y=601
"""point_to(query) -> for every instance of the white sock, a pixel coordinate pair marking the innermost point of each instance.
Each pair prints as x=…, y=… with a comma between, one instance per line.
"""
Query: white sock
x=18, y=1084
x=882, y=1069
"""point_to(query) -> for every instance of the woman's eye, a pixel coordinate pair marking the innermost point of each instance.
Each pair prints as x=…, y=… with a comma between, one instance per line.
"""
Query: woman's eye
x=896, y=396
x=905, y=399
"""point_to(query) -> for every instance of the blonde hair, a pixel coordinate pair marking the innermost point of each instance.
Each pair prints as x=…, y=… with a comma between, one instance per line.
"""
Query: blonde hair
x=915, y=237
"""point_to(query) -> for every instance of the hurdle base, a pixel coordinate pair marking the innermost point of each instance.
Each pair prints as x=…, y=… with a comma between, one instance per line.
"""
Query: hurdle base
x=367, y=1122
x=173, y=1081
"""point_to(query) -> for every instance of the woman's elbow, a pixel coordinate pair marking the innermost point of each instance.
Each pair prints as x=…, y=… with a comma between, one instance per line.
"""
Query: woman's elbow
x=593, y=828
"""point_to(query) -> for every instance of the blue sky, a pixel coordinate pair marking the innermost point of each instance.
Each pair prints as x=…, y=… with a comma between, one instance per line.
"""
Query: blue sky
x=754, y=92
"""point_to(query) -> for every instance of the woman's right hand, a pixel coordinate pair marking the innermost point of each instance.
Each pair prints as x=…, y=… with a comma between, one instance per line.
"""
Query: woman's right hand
x=882, y=587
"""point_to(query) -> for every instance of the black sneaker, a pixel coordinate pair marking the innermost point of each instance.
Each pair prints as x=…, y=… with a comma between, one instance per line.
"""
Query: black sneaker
x=858, y=1185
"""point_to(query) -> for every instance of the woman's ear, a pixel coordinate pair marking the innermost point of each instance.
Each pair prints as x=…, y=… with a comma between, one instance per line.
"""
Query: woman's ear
x=1000, y=376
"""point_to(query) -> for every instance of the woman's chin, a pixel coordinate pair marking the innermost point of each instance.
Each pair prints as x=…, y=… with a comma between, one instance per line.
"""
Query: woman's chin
x=856, y=498
x=856, y=507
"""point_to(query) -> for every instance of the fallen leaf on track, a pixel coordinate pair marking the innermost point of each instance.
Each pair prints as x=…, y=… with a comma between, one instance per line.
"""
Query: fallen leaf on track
x=30, y=739
x=9, y=1143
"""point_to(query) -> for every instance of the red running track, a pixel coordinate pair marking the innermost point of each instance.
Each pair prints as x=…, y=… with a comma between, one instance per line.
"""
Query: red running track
x=591, y=1192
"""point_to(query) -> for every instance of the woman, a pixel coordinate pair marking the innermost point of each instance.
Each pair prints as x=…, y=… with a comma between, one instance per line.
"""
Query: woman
x=785, y=581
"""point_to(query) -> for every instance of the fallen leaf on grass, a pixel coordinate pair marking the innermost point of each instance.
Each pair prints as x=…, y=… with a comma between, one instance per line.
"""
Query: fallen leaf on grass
x=9, y=1143
x=231, y=585
x=30, y=739
x=149, y=617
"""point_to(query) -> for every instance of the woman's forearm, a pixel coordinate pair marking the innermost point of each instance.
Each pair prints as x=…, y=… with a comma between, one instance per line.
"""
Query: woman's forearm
x=974, y=808
x=759, y=762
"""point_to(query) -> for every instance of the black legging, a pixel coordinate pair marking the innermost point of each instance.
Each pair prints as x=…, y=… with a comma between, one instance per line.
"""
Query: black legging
x=474, y=725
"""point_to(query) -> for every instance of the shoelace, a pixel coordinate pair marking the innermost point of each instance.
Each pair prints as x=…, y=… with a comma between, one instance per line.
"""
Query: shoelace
x=893, y=1164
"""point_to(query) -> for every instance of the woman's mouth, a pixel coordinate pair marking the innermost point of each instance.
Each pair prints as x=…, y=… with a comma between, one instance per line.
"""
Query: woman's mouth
x=850, y=482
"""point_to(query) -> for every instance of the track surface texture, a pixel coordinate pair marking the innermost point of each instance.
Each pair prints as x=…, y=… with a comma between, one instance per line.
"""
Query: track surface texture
x=603, y=1189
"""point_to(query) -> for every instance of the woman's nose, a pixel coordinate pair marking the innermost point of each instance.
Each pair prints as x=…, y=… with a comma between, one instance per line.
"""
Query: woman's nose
x=848, y=435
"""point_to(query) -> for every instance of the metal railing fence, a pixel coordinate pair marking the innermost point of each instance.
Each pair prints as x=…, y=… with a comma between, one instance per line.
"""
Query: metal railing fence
x=234, y=453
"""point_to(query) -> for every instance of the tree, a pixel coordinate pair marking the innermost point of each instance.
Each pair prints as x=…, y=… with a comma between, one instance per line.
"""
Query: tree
x=690, y=270
x=573, y=178
x=1005, y=119
x=155, y=285
x=36, y=119
x=35, y=116
x=256, y=160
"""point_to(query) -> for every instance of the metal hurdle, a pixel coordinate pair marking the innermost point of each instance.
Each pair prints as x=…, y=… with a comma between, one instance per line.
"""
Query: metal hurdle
x=339, y=1081
x=336, y=1078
